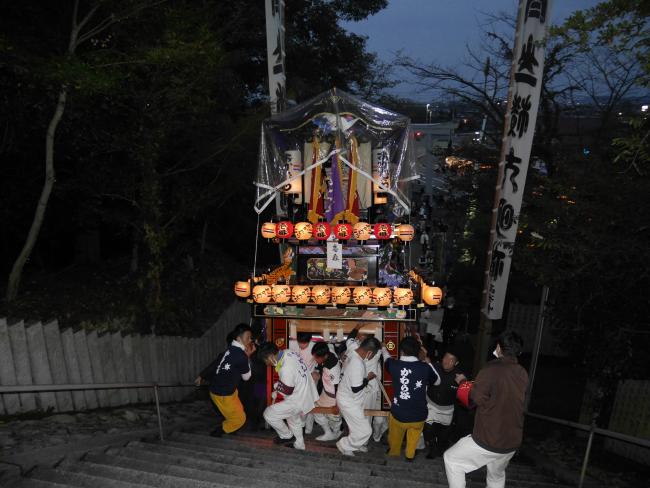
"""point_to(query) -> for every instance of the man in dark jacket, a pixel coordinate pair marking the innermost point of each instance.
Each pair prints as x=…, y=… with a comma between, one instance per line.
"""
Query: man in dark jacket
x=233, y=366
x=408, y=410
x=498, y=393
x=440, y=402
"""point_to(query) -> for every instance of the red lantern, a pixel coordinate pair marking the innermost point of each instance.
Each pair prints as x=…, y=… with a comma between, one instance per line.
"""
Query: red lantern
x=383, y=231
x=284, y=229
x=343, y=231
x=322, y=231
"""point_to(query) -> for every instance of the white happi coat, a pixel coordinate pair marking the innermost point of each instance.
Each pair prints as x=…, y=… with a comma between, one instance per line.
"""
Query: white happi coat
x=294, y=373
x=352, y=374
x=305, y=354
x=372, y=391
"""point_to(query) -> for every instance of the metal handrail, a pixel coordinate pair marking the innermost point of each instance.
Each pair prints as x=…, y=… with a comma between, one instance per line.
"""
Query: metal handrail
x=99, y=386
x=592, y=429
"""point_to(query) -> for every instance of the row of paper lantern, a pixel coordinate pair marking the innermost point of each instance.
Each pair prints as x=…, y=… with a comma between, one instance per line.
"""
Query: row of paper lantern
x=336, y=295
x=361, y=231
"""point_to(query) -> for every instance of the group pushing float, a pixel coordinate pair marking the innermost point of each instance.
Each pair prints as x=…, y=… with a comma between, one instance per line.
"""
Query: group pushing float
x=334, y=178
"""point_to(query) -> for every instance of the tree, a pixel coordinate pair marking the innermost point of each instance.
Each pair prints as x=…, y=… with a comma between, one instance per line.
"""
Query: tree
x=157, y=147
x=82, y=30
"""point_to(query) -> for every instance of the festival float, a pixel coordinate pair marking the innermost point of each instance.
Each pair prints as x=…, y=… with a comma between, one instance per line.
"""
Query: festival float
x=333, y=194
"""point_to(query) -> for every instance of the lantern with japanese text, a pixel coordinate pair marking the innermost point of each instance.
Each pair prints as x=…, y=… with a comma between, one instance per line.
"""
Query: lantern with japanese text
x=243, y=289
x=268, y=230
x=300, y=294
x=341, y=295
x=381, y=296
x=431, y=295
x=362, y=231
x=402, y=296
x=294, y=167
x=281, y=293
x=284, y=229
x=322, y=231
x=405, y=232
x=303, y=231
x=362, y=295
x=383, y=231
x=262, y=293
x=343, y=231
x=321, y=294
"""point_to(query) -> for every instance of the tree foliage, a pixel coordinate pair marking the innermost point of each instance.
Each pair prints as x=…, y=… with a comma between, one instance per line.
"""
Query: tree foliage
x=158, y=144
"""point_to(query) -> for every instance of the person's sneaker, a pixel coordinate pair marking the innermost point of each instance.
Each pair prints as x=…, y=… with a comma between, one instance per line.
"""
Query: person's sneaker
x=363, y=449
x=328, y=436
x=280, y=440
x=409, y=460
x=343, y=451
x=295, y=445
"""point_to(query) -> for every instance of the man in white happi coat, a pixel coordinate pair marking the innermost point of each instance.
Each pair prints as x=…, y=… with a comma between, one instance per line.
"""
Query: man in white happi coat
x=351, y=396
x=302, y=344
x=372, y=399
x=299, y=391
x=330, y=376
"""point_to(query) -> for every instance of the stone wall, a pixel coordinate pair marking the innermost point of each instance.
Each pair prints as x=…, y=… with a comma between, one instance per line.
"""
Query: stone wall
x=43, y=354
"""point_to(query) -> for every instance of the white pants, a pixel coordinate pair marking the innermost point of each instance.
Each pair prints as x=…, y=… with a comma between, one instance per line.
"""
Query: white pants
x=358, y=425
x=439, y=415
x=276, y=414
x=466, y=456
x=329, y=423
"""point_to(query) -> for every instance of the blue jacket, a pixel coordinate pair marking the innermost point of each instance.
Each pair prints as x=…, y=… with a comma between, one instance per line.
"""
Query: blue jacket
x=411, y=378
x=232, y=368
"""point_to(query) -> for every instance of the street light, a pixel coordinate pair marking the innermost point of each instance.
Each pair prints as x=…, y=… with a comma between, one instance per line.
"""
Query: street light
x=428, y=113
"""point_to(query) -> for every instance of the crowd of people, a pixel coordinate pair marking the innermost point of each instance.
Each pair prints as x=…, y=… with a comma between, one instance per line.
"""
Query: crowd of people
x=334, y=385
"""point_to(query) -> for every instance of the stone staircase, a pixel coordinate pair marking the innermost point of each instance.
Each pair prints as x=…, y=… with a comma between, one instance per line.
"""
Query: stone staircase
x=195, y=460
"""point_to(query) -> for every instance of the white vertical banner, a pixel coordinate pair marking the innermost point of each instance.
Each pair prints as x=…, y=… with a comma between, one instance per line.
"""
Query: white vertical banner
x=334, y=255
x=519, y=129
x=275, y=54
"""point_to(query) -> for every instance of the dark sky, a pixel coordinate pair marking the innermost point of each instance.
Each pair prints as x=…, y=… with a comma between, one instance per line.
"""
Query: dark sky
x=439, y=30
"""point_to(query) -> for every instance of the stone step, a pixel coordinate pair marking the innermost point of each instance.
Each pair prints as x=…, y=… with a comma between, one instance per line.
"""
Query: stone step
x=285, y=469
x=261, y=445
x=291, y=460
x=193, y=458
x=75, y=479
x=313, y=451
x=36, y=483
x=146, y=474
x=174, y=465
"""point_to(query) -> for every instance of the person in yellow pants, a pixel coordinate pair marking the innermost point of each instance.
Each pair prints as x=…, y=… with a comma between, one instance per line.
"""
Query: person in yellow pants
x=232, y=410
x=408, y=410
x=233, y=367
x=396, y=432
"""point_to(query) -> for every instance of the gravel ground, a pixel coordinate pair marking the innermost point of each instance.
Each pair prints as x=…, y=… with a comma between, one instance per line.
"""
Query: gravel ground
x=24, y=435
